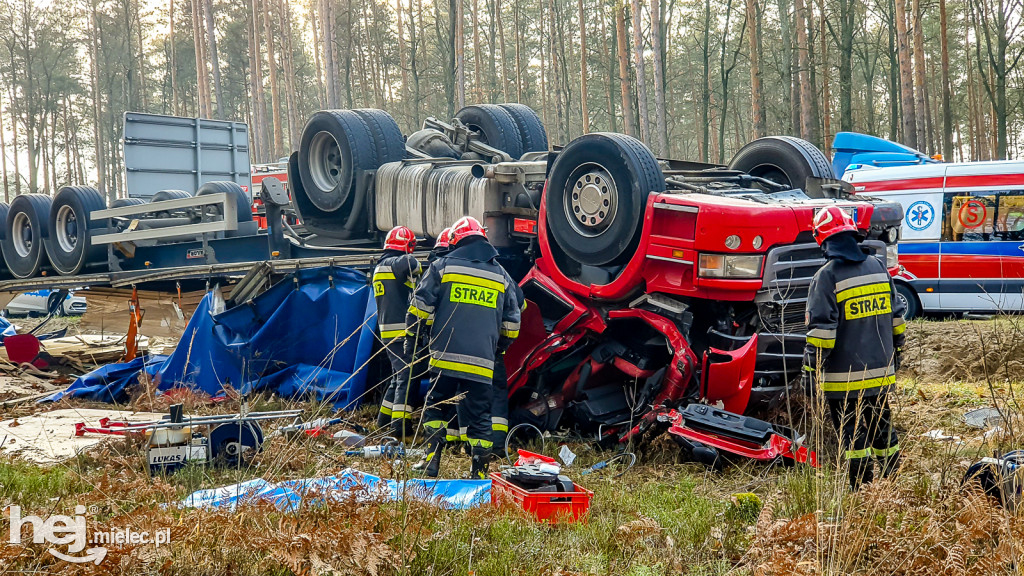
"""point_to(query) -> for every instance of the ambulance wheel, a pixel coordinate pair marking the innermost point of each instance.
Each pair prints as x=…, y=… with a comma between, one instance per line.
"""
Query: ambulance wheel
x=335, y=146
x=497, y=128
x=534, y=136
x=27, y=222
x=784, y=160
x=596, y=196
x=69, y=245
x=231, y=443
x=907, y=295
x=243, y=205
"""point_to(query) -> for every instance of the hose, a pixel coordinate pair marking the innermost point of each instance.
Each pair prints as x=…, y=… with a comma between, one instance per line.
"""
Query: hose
x=512, y=432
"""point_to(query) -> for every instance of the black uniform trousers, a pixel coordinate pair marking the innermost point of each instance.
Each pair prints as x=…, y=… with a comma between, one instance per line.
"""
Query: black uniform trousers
x=473, y=410
x=864, y=425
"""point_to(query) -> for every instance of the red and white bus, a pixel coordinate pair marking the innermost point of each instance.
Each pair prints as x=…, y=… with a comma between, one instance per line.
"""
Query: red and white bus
x=962, y=241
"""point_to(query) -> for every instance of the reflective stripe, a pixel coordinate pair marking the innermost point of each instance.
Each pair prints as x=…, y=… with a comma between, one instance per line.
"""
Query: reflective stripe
x=522, y=308
x=386, y=411
x=409, y=284
x=383, y=276
x=463, y=358
x=858, y=384
x=499, y=427
x=461, y=367
x=822, y=342
x=510, y=333
x=898, y=321
x=821, y=333
x=858, y=454
x=452, y=438
x=474, y=281
x=402, y=415
x=418, y=302
x=456, y=270
x=900, y=329
x=435, y=424
x=417, y=312
x=476, y=442
x=862, y=280
x=861, y=374
x=383, y=268
x=885, y=452
x=879, y=288
x=808, y=368
x=391, y=334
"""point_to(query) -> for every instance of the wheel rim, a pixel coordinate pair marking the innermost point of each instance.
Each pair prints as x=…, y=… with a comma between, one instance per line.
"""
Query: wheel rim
x=906, y=303
x=22, y=234
x=771, y=172
x=591, y=201
x=326, y=162
x=67, y=229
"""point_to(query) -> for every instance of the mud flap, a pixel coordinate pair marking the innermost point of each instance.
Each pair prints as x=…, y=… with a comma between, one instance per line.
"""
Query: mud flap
x=727, y=376
x=706, y=427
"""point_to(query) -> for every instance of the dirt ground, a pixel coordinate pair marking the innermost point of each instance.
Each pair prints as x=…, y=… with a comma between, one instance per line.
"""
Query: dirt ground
x=663, y=516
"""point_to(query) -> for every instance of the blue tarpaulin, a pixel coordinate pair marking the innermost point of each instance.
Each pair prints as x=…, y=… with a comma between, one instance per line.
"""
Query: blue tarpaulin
x=310, y=334
x=349, y=483
x=6, y=329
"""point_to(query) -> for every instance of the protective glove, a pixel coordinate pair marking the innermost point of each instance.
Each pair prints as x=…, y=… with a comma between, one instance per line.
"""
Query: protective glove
x=503, y=344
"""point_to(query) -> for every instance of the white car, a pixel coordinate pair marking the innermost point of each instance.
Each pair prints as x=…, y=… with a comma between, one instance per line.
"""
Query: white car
x=37, y=302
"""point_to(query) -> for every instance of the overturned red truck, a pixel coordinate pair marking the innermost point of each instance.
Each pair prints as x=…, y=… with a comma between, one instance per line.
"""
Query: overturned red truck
x=662, y=294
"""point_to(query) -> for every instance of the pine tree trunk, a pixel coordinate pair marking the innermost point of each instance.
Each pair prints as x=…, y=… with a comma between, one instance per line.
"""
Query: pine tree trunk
x=641, y=80
x=705, y=87
x=174, y=63
x=256, y=68
x=414, y=64
x=894, y=78
x=202, y=71
x=97, y=112
x=606, y=42
x=211, y=33
x=504, y=54
x=826, y=138
x=907, y=103
x=460, y=54
x=623, y=57
x=288, y=57
x=585, y=114
x=947, y=113
x=3, y=156
x=321, y=93
x=919, y=73
x=478, y=57
x=660, y=112
x=804, y=68
x=275, y=92
x=757, y=112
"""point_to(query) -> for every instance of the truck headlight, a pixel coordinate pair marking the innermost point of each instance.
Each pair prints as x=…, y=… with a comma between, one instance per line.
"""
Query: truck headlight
x=730, y=266
x=892, y=255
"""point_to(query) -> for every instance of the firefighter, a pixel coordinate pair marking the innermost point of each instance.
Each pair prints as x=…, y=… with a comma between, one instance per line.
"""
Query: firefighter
x=441, y=246
x=394, y=280
x=471, y=304
x=855, y=333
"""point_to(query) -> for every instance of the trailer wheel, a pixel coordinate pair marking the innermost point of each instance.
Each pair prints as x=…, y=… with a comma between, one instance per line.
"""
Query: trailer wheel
x=335, y=145
x=783, y=160
x=243, y=205
x=169, y=195
x=122, y=202
x=5, y=209
x=69, y=245
x=596, y=196
x=534, y=136
x=26, y=229
x=909, y=298
x=496, y=126
x=387, y=136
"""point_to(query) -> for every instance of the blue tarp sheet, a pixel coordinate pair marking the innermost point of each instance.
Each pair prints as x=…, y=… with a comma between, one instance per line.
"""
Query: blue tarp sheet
x=310, y=334
x=288, y=496
x=6, y=329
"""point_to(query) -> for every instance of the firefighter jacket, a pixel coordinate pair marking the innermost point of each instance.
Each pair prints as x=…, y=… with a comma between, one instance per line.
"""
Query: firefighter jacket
x=394, y=280
x=855, y=328
x=470, y=303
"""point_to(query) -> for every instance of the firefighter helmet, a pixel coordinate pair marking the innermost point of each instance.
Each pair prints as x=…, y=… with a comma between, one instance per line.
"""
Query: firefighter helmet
x=443, y=239
x=400, y=238
x=831, y=221
x=464, y=228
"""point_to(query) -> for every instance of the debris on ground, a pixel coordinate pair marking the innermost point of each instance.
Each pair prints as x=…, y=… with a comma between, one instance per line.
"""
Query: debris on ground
x=49, y=437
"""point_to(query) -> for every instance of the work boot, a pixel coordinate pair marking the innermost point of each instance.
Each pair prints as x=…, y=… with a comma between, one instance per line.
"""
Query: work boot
x=383, y=420
x=435, y=447
x=401, y=429
x=481, y=458
x=862, y=471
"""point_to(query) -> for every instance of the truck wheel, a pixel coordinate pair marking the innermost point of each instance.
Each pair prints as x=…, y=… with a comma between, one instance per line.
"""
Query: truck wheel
x=783, y=160
x=5, y=209
x=496, y=126
x=387, y=136
x=169, y=195
x=909, y=298
x=596, y=195
x=26, y=228
x=69, y=245
x=335, y=145
x=242, y=203
x=122, y=202
x=534, y=137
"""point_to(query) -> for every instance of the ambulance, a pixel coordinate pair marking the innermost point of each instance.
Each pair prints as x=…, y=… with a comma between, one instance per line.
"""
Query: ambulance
x=961, y=247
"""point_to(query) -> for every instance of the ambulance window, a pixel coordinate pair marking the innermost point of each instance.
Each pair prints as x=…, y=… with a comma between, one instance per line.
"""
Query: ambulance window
x=983, y=216
x=1009, y=216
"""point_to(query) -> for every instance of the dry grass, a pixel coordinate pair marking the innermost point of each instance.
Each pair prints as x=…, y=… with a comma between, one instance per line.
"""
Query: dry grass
x=662, y=517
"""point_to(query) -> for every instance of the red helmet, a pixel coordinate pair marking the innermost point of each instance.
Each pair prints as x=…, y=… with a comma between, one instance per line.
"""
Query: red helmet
x=400, y=238
x=464, y=228
x=443, y=239
x=831, y=221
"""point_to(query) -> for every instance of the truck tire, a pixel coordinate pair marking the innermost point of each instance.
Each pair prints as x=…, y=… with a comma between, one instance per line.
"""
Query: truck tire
x=26, y=230
x=496, y=126
x=534, y=136
x=596, y=194
x=69, y=245
x=5, y=208
x=906, y=293
x=122, y=202
x=168, y=195
x=335, y=145
x=783, y=160
x=242, y=203
x=387, y=136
